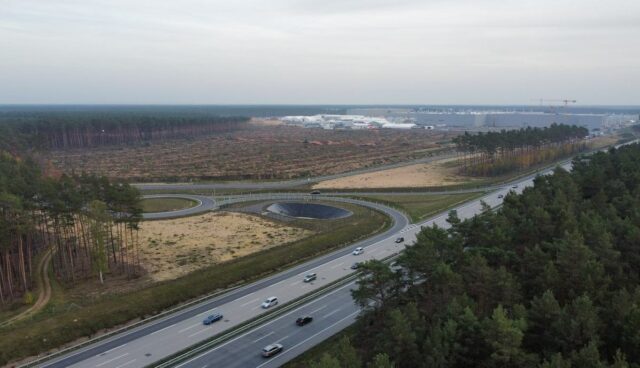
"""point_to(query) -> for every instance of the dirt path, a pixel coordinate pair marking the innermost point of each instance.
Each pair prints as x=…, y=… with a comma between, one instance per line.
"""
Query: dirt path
x=44, y=286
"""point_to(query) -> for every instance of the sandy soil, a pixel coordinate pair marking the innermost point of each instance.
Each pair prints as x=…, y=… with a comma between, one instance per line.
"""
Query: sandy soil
x=172, y=248
x=265, y=121
x=418, y=175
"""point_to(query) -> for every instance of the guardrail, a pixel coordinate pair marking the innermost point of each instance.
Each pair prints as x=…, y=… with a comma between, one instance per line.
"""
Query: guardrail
x=204, y=345
x=186, y=305
x=143, y=321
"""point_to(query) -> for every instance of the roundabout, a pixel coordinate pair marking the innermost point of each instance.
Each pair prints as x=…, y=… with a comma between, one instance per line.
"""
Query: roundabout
x=308, y=210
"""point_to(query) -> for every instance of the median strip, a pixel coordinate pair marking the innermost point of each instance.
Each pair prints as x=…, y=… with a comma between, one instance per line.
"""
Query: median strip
x=248, y=325
x=196, y=349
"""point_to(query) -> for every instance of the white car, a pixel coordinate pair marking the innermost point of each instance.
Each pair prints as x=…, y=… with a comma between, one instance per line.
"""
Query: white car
x=358, y=251
x=271, y=350
x=270, y=302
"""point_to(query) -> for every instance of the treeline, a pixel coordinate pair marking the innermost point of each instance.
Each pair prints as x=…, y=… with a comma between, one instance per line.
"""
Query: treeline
x=88, y=224
x=83, y=129
x=550, y=280
x=496, y=153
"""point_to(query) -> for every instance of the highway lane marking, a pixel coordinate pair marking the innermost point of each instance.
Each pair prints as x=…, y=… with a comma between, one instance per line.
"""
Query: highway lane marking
x=246, y=296
x=338, y=265
x=190, y=327
x=127, y=363
x=249, y=302
x=309, y=338
x=111, y=360
x=264, y=325
x=153, y=333
x=437, y=218
x=332, y=313
x=110, y=350
x=319, y=309
x=283, y=338
x=265, y=336
x=199, y=332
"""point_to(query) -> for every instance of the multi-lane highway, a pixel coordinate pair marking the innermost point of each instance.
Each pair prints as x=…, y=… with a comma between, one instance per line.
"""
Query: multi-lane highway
x=331, y=312
x=146, y=344
x=150, y=342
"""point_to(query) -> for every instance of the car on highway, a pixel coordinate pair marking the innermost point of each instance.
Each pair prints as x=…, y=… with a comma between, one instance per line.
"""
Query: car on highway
x=358, y=251
x=270, y=302
x=304, y=320
x=501, y=196
x=400, y=240
x=315, y=192
x=212, y=318
x=271, y=350
x=515, y=186
x=310, y=277
x=355, y=266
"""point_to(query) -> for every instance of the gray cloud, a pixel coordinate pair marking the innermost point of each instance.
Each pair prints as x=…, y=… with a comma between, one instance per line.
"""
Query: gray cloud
x=307, y=51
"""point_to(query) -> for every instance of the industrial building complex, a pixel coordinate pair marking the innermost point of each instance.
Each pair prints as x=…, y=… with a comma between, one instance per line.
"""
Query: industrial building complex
x=383, y=118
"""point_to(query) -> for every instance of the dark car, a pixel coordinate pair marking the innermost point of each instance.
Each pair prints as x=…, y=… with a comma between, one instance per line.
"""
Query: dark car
x=271, y=350
x=303, y=320
x=310, y=277
x=315, y=192
x=400, y=240
x=500, y=196
x=355, y=266
x=515, y=186
x=212, y=318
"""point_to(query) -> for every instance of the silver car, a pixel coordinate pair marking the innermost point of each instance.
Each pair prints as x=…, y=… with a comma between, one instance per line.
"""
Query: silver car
x=270, y=302
x=271, y=350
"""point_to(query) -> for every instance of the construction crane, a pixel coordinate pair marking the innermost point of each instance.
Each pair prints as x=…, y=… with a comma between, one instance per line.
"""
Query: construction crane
x=565, y=101
x=552, y=108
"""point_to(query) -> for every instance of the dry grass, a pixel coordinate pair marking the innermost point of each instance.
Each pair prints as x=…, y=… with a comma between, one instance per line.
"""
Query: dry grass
x=173, y=248
x=436, y=173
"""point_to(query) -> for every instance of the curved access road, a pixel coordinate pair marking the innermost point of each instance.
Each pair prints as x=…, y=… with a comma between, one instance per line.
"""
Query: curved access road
x=149, y=342
x=284, y=183
x=203, y=204
x=333, y=311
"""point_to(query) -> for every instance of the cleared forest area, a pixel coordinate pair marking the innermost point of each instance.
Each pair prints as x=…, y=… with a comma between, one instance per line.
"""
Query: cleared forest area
x=259, y=153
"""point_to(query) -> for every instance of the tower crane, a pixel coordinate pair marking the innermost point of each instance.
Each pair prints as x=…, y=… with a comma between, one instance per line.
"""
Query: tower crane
x=565, y=102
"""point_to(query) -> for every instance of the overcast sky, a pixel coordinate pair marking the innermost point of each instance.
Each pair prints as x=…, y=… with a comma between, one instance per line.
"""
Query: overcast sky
x=319, y=51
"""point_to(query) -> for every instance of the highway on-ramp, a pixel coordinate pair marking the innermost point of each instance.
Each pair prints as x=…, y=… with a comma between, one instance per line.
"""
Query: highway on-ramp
x=203, y=204
x=146, y=343
x=331, y=312
x=149, y=342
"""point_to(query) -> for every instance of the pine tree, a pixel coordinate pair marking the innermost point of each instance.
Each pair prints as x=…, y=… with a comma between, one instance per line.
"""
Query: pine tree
x=381, y=361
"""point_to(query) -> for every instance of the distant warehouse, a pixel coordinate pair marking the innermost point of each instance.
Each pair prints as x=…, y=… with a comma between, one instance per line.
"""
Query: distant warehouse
x=345, y=122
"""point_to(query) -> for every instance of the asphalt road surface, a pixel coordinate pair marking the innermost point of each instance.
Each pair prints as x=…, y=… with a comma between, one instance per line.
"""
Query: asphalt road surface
x=150, y=342
x=204, y=204
x=332, y=312
x=280, y=184
x=146, y=344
